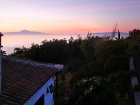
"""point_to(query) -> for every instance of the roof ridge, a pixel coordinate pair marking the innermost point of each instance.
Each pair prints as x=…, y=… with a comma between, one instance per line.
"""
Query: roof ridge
x=34, y=63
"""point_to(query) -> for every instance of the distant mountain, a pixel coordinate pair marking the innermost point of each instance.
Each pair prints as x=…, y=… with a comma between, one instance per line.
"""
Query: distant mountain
x=110, y=33
x=25, y=32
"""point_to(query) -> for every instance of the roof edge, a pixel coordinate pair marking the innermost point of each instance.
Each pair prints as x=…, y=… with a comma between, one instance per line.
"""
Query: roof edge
x=59, y=67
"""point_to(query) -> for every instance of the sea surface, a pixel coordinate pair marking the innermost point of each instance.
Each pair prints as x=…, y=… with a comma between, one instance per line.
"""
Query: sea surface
x=9, y=42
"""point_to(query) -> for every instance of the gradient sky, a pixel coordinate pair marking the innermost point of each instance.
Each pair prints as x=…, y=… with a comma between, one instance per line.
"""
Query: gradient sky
x=69, y=16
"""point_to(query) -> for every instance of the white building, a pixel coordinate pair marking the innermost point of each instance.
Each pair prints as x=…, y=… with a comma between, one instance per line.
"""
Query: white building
x=27, y=82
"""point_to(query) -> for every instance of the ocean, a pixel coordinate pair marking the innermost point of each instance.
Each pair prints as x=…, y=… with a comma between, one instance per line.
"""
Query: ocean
x=9, y=42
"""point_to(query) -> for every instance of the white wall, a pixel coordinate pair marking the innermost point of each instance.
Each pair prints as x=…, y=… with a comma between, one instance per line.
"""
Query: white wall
x=134, y=82
x=48, y=97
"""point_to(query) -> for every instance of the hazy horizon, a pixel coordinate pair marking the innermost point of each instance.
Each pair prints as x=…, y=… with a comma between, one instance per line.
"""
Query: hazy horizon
x=25, y=31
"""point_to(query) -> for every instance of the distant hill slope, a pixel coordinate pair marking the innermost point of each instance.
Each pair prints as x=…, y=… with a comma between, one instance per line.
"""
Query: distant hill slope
x=25, y=32
x=110, y=33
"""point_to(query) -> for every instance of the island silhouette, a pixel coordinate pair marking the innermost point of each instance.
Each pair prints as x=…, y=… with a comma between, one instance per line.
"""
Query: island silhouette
x=25, y=32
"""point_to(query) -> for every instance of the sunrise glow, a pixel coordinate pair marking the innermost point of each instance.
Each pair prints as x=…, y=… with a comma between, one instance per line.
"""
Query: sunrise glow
x=69, y=16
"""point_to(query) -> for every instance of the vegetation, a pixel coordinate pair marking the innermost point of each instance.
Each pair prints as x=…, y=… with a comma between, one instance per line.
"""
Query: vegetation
x=96, y=68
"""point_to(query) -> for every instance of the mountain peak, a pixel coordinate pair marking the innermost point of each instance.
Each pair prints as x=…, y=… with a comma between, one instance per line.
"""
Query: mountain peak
x=25, y=30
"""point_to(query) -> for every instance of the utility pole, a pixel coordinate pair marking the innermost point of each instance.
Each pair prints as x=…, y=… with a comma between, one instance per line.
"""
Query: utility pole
x=118, y=34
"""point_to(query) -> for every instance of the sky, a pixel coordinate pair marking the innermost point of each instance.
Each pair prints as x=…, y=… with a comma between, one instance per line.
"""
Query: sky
x=69, y=16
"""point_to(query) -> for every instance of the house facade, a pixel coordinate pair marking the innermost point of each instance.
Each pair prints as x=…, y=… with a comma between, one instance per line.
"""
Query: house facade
x=43, y=95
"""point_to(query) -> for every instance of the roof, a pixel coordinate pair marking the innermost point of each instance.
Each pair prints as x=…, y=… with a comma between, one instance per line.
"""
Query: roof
x=21, y=79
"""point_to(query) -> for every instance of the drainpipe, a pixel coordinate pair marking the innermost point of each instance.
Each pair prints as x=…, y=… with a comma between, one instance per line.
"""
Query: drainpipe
x=0, y=63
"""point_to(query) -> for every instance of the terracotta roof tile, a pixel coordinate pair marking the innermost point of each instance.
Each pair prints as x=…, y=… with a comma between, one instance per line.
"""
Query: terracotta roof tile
x=21, y=79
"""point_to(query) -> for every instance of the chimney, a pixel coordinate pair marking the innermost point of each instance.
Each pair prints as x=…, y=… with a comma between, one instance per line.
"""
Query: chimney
x=0, y=63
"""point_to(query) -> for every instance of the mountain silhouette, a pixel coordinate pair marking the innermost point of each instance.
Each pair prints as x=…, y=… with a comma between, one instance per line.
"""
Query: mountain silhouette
x=110, y=33
x=25, y=32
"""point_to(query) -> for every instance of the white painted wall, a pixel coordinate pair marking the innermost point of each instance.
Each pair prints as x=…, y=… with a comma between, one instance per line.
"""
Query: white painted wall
x=48, y=97
x=134, y=82
x=131, y=63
